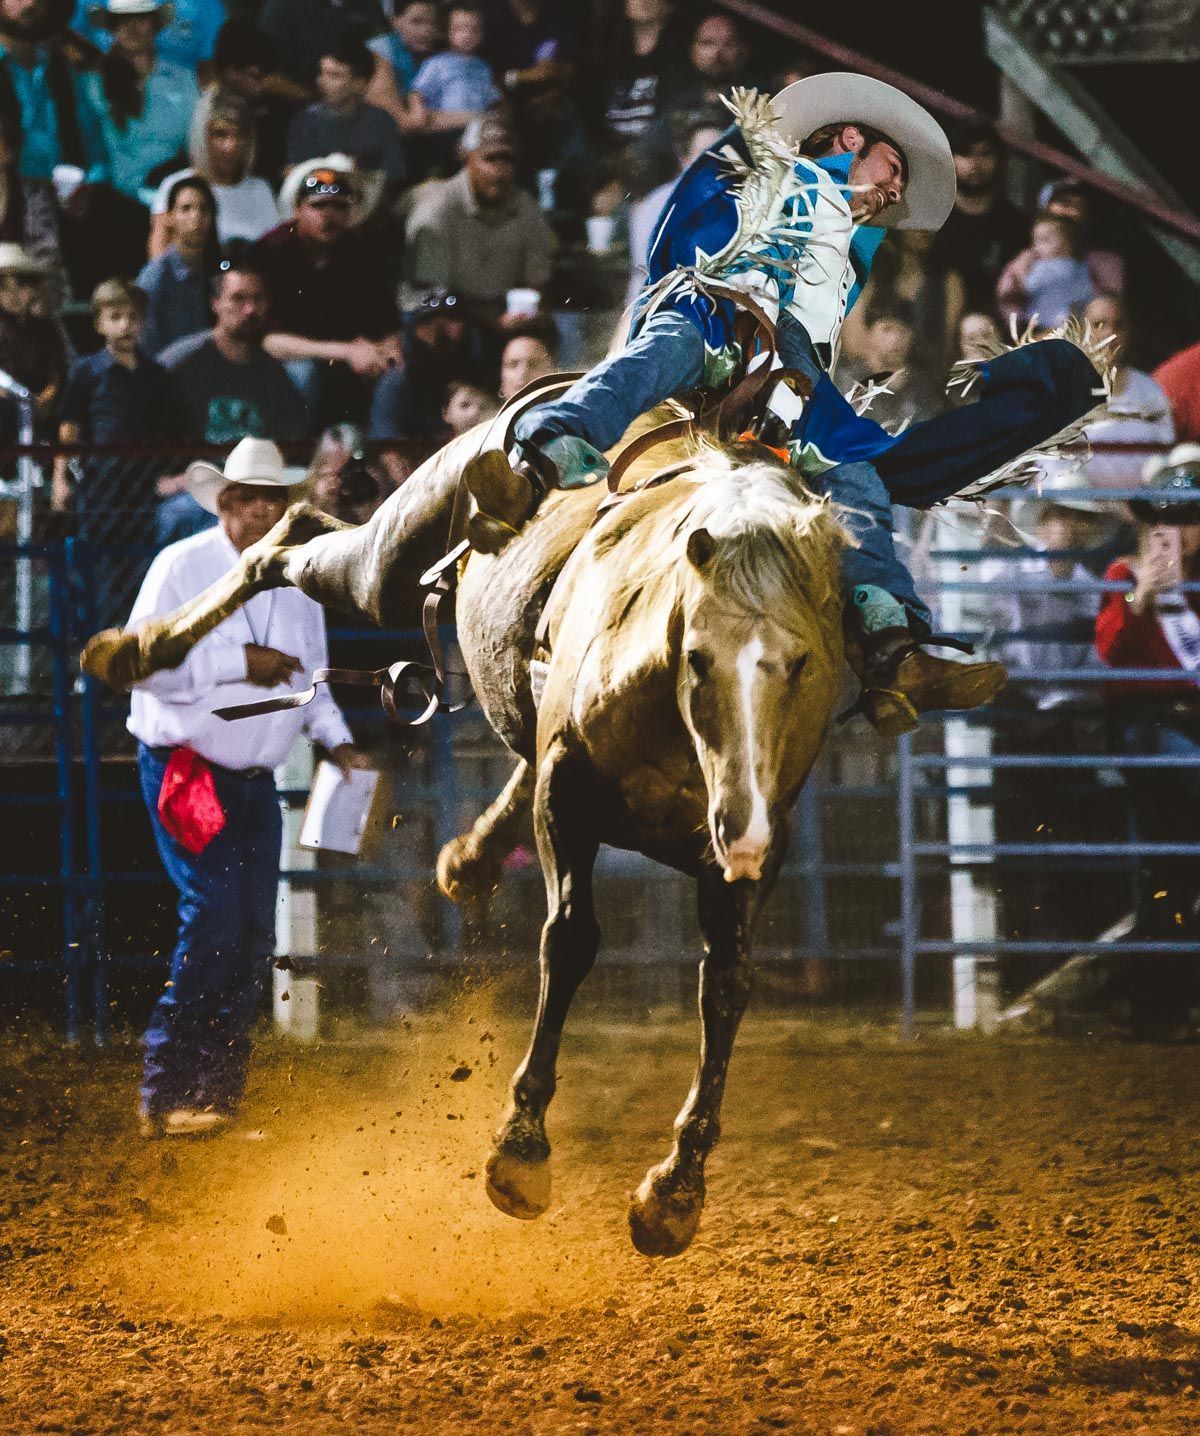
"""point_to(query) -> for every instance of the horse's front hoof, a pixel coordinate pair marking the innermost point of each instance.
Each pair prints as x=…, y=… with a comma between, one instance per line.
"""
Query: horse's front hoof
x=113, y=656
x=664, y=1215
x=464, y=875
x=519, y=1189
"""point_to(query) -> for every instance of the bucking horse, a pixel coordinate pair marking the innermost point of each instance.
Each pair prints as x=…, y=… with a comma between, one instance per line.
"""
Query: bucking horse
x=665, y=669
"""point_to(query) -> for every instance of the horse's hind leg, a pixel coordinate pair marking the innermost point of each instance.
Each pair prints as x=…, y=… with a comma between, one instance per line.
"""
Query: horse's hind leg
x=666, y=1208
x=518, y=1168
x=469, y=866
x=122, y=657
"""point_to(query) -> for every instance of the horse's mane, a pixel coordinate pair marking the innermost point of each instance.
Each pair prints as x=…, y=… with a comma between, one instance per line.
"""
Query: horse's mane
x=776, y=545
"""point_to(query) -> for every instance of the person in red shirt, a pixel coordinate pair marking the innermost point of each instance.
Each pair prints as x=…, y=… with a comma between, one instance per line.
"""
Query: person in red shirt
x=1179, y=379
x=1154, y=623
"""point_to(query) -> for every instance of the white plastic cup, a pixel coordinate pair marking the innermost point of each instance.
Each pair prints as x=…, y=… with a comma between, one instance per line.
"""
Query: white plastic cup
x=522, y=301
x=600, y=229
x=66, y=179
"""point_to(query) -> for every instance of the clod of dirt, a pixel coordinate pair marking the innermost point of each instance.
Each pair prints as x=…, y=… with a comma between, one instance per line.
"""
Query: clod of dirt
x=460, y=1073
x=277, y=1226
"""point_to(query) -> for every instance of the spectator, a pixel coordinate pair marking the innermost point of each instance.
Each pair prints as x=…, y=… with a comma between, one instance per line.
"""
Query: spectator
x=186, y=39
x=28, y=215
x=414, y=36
x=178, y=283
x=477, y=234
x=905, y=274
x=457, y=85
x=1068, y=199
x=198, y=1042
x=638, y=70
x=978, y=336
x=909, y=394
x=115, y=396
x=55, y=106
x=222, y=148
x=1137, y=411
x=332, y=301
x=224, y=384
x=718, y=59
x=343, y=123
x=1179, y=379
x=345, y=483
x=466, y=405
x=526, y=357
x=409, y=398
x=31, y=347
x=1156, y=625
x=529, y=42
x=1050, y=283
x=304, y=30
x=244, y=64
x=984, y=230
x=149, y=100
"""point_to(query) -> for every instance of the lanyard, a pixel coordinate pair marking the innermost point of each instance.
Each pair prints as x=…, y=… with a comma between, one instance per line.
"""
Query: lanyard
x=262, y=642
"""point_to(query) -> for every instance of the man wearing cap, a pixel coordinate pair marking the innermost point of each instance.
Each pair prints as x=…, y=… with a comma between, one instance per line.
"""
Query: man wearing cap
x=333, y=308
x=478, y=233
x=789, y=208
x=31, y=346
x=210, y=793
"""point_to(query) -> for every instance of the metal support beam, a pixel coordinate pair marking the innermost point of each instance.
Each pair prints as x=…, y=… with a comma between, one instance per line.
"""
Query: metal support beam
x=1062, y=99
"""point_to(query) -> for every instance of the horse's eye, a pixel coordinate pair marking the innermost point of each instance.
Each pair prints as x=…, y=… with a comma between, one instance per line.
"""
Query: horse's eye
x=699, y=663
x=796, y=667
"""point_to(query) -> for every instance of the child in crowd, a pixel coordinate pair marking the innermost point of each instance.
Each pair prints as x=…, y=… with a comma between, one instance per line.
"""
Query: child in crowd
x=177, y=283
x=457, y=84
x=1054, y=283
x=466, y=405
x=115, y=396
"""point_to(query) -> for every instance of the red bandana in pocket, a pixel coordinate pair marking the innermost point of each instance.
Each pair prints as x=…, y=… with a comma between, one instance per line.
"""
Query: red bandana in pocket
x=188, y=806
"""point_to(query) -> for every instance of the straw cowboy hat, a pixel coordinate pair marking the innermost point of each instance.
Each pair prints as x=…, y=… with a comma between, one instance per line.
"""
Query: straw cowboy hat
x=842, y=98
x=253, y=461
x=102, y=16
x=329, y=173
x=15, y=260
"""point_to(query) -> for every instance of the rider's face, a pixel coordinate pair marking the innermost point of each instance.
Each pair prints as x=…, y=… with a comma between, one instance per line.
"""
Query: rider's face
x=876, y=175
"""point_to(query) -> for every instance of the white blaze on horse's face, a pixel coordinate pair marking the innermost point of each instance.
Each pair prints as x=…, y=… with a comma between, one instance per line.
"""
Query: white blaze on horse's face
x=741, y=692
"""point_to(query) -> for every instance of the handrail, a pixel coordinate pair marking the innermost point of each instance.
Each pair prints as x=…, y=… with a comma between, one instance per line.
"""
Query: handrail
x=941, y=103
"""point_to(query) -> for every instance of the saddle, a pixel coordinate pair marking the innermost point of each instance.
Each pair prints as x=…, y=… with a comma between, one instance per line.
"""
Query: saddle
x=735, y=410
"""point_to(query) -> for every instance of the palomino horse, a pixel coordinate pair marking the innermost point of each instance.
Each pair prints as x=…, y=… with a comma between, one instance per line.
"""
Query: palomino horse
x=693, y=640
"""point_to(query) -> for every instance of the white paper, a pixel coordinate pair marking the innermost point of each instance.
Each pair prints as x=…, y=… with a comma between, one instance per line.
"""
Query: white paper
x=338, y=809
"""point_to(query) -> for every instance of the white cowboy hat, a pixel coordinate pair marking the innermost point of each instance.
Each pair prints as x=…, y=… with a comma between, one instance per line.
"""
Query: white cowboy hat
x=15, y=260
x=102, y=15
x=366, y=192
x=843, y=98
x=253, y=461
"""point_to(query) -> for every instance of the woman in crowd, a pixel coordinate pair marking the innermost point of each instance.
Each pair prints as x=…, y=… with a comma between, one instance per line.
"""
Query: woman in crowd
x=149, y=100
x=1155, y=624
x=177, y=283
x=415, y=35
x=222, y=150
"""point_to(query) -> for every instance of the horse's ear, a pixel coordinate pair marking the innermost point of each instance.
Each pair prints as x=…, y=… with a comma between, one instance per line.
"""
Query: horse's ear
x=700, y=548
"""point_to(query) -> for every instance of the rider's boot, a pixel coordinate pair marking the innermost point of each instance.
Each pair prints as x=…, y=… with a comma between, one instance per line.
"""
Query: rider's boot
x=899, y=679
x=508, y=489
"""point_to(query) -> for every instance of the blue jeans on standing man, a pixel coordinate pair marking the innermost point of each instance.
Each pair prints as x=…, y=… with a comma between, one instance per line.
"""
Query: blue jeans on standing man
x=198, y=1042
x=1025, y=397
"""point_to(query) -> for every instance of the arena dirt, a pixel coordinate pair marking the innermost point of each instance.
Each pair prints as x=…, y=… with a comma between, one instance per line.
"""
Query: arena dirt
x=955, y=1236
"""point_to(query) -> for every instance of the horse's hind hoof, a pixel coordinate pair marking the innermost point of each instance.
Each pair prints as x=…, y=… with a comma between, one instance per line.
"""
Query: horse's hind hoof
x=465, y=875
x=113, y=656
x=519, y=1189
x=663, y=1223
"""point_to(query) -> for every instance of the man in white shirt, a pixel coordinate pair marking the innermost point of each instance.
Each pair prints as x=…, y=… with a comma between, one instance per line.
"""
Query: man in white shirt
x=223, y=856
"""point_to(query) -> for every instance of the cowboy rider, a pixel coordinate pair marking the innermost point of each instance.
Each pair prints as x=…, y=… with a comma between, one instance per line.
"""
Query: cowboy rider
x=789, y=209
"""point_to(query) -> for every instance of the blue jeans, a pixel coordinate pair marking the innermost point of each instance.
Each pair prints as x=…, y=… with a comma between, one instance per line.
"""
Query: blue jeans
x=198, y=1042
x=1025, y=397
